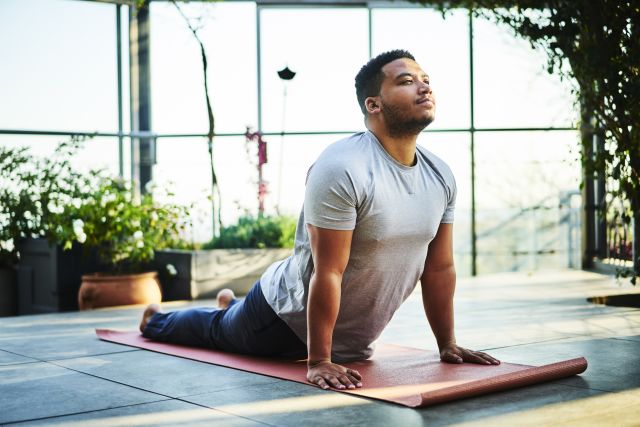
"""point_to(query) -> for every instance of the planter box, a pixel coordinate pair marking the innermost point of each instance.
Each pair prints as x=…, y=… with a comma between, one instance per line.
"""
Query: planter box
x=8, y=292
x=201, y=274
x=49, y=278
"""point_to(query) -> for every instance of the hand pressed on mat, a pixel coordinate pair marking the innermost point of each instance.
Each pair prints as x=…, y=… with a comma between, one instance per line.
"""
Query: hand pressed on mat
x=452, y=353
x=327, y=374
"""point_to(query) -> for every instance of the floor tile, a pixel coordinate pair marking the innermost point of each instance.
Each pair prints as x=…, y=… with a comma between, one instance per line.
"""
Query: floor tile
x=635, y=338
x=292, y=404
x=60, y=344
x=70, y=321
x=168, y=375
x=607, y=409
x=37, y=390
x=7, y=358
x=614, y=364
x=163, y=413
x=509, y=402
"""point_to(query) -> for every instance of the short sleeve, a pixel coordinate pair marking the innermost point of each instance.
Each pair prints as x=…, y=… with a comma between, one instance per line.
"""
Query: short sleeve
x=452, y=190
x=330, y=197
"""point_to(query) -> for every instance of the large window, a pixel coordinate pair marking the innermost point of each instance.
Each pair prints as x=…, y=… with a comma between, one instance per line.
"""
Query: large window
x=325, y=47
x=58, y=65
x=228, y=32
x=59, y=73
x=441, y=47
x=511, y=85
x=524, y=184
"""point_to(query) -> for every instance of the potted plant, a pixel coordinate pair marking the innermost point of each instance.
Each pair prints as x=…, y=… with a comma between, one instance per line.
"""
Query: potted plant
x=123, y=233
x=58, y=224
x=235, y=259
x=14, y=208
x=31, y=189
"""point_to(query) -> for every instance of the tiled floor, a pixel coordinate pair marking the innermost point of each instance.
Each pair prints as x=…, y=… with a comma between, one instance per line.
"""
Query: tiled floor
x=54, y=371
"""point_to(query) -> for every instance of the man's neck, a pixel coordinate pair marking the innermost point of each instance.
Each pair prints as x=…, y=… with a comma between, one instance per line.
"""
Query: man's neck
x=402, y=148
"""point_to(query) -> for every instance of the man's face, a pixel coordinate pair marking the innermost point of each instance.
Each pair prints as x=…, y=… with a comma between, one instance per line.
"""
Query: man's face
x=407, y=102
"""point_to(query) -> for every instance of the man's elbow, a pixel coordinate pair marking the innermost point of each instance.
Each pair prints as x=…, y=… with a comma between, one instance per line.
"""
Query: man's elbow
x=445, y=269
x=330, y=275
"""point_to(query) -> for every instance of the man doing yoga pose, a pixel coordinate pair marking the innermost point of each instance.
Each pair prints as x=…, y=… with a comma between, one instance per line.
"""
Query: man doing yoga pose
x=377, y=218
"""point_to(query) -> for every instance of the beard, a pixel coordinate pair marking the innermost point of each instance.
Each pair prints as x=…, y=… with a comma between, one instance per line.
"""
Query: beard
x=399, y=125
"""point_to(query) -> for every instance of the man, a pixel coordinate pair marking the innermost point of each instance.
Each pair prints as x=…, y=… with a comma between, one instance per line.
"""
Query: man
x=377, y=218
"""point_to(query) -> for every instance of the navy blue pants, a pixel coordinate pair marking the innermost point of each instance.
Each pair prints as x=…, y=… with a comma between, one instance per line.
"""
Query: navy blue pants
x=249, y=326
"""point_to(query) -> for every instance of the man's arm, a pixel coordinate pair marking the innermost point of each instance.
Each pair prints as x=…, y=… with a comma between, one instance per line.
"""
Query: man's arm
x=438, y=286
x=330, y=250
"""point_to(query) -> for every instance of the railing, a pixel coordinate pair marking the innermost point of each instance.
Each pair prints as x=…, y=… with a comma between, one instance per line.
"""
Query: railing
x=612, y=234
x=619, y=232
x=545, y=234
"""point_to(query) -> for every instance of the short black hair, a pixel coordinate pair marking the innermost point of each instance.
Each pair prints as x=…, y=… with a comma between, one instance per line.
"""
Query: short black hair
x=369, y=78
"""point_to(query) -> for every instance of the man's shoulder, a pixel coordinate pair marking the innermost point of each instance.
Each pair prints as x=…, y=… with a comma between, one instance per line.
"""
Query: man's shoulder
x=349, y=154
x=437, y=164
x=350, y=146
x=432, y=157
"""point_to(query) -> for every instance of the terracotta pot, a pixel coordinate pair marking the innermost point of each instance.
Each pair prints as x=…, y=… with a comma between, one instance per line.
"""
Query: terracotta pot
x=101, y=290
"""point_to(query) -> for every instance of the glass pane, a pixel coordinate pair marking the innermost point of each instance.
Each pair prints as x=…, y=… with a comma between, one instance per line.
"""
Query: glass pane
x=440, y=46
x=454, y=149
x=96, y=153
x=525, y=186
x=512, y=86
x=126, y=93
x=326, y=48
x=183, y=165
x=58, y=65
x=228, y=32
x=290, y=158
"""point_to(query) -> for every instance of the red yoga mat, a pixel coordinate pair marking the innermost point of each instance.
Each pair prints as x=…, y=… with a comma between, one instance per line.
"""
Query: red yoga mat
x=403, y=375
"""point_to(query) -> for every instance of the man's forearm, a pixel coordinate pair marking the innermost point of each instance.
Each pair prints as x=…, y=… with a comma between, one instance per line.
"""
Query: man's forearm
x=438, y=288
x=322, y=312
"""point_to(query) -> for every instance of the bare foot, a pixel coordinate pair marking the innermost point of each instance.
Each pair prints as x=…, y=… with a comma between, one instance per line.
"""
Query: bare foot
x=224, y=298
x=148, y=313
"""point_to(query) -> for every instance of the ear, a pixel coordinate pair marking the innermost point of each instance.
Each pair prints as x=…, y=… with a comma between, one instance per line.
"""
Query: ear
x=372, y=104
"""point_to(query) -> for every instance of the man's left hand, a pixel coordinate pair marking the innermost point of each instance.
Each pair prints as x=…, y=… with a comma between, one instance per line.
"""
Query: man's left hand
x=453, y=353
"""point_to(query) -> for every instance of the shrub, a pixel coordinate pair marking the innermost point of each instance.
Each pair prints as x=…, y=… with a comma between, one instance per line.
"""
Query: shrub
x=32, y=191
x=261, y=232
x=123, y=232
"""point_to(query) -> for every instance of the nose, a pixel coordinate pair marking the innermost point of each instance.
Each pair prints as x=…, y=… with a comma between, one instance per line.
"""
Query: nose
x=425, y=87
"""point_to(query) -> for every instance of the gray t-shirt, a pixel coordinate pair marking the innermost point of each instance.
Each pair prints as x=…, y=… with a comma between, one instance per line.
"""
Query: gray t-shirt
x=394, y=211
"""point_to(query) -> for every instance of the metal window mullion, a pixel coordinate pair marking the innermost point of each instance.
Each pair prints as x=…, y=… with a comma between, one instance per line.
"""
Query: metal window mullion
x=369, y=12
x=259, y=64
x=133, y=152
x=474, y=253
x=119, y=73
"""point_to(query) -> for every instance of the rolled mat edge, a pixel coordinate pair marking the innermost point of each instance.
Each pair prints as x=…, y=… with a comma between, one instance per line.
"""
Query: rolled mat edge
x=533, y=375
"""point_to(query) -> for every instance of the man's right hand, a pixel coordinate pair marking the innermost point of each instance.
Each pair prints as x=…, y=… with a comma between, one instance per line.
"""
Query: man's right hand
x=327, y=374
